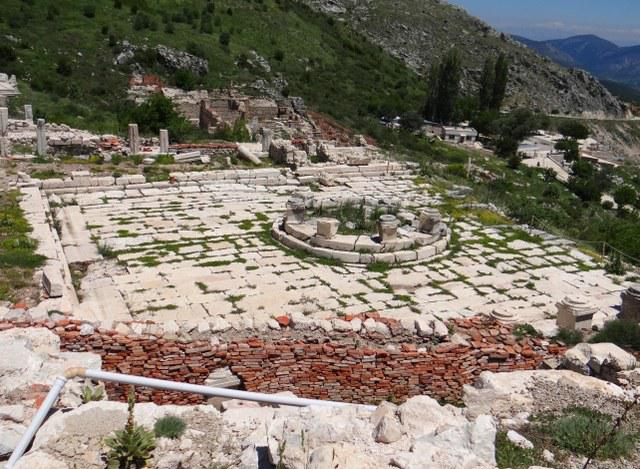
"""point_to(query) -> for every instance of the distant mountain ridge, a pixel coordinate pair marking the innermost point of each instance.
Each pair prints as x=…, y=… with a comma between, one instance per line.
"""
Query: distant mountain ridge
x=598, y=56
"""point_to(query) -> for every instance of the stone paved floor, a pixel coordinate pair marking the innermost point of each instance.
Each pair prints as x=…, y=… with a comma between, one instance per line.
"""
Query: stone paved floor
x=197, y=252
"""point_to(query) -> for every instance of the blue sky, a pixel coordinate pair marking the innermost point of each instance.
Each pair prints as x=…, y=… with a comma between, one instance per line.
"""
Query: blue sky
x=615, y=20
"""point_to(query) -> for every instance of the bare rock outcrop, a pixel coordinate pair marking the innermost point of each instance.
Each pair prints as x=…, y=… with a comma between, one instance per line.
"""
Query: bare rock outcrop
x=504, y=395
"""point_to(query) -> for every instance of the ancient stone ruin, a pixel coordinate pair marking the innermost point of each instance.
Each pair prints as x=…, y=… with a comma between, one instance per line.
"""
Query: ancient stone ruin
x=406, y=238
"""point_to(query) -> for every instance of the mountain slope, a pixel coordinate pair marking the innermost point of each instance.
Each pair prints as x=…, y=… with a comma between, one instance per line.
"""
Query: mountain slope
x=64, y=56
x=594, y=54
x=420, y=31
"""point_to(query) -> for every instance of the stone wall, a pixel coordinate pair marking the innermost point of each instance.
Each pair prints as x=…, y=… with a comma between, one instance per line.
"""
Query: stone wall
x=309, y=368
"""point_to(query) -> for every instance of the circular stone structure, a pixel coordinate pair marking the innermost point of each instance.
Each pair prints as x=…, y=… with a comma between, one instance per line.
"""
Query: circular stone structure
x=407, y=237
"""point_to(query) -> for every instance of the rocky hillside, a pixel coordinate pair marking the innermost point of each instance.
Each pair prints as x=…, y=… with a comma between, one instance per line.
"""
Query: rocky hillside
x=420, y=31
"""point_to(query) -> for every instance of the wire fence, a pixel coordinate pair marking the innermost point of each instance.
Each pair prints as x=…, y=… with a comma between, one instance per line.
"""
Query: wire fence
x=604, y=249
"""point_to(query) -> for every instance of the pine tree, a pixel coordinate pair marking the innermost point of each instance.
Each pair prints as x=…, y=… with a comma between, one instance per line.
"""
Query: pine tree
x=500, y=82
x=487, y=83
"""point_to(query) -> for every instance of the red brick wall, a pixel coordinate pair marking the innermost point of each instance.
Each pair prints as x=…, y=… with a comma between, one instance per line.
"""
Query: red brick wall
x=326, y=371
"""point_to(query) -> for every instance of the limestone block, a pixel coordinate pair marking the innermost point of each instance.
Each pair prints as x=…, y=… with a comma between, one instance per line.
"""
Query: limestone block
x=592, y=359
x=106, y=181
x=424, y=327
x=426, y=252
x=137, y=179
x=338, y=243
x=342, y=256
x=519, y=440
x=300, y=230
x=10, y=434
x=341, y=326
x=52, y=281
x=327, y=227
x=388, y=430
x=406, y=256
x=366, y=244
x=387, y=257
x=440, y=246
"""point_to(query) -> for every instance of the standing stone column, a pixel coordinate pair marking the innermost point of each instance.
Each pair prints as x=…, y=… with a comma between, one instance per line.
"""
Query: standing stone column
x=134, y=139
x=41, y=138
x=28, y=112
x=296, y=207
x=4, y=128
x=164, y=141
x=630, y=310
x=4, y=121
x=574, y=313
x=388, y=228
x=267, y=136
x=4, y=147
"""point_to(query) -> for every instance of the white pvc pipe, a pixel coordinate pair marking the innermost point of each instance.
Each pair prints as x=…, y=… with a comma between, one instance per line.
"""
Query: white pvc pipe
x=211, y=391
x=98, y=375
x=42, y=413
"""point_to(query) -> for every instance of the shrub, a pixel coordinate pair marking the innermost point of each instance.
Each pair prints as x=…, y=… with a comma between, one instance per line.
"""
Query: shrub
x=169, y=427
x=225, y=39
x=624, y=334
x=523, y=330
x=89, y=11
x=7, y=55
x=580, y=430
x=63, y=66
x=196, y=49
x=511, y=455
x=131, y=447
x=569, y=337
x=106, y=251
x=614, y=264
x=165, y=159
x=89, y=394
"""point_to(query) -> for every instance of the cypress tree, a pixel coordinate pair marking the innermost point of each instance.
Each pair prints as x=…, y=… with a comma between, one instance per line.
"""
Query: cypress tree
x=444, y=88
x=487, y=83
x=500, y=82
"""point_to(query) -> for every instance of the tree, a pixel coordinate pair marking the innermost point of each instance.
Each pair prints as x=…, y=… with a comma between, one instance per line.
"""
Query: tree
x=513, y=129
x=411, y=121
x=444, y=88
x=487, y=81
x=501, y=79
x=158, y=112
x=570, y=148
x=587, y=182
x=574, y=129
x=625, y=195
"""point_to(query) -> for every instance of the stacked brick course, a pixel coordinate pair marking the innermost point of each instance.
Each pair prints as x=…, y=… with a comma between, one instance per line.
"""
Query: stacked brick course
x=330, y=370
